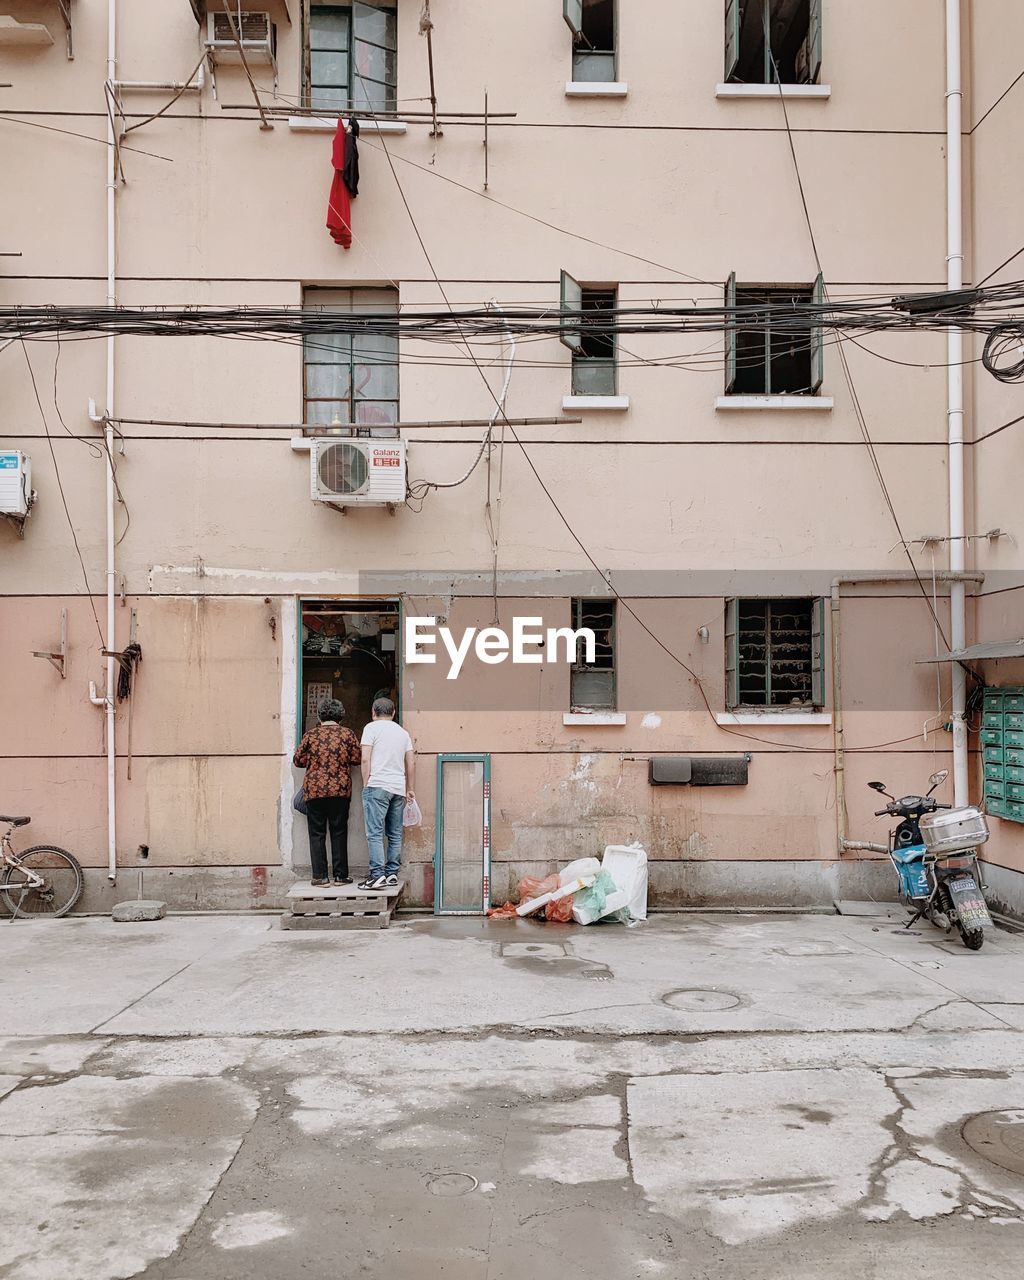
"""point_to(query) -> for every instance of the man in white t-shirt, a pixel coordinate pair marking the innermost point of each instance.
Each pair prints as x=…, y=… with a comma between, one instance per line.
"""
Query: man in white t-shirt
x=387, y=764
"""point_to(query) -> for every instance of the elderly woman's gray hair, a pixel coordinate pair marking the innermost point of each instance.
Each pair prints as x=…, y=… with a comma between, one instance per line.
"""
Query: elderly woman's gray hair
x=331, y=709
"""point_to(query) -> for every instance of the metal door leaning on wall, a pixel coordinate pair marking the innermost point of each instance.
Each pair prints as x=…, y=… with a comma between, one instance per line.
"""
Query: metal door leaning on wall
x=462, y=848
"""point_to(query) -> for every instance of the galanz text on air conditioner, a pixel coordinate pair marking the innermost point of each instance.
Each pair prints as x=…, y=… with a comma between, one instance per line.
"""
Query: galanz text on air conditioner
x=530, y=642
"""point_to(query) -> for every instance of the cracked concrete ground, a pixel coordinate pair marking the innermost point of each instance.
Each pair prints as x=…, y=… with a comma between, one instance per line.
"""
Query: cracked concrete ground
x=708, y=1096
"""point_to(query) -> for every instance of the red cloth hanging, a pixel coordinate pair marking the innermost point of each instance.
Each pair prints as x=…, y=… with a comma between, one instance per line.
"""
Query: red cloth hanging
x=339, y=204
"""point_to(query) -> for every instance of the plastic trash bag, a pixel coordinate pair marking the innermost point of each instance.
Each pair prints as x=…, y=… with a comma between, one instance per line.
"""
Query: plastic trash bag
x=411, y=816
x=590, y=903
x=527, y=889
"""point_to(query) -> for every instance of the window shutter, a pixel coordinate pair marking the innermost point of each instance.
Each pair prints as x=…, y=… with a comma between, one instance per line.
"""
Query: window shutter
x=732, y=654
x=572, y=11
x=572, y=310
x=730, y=333
x=818, y=339
x=814, y=43
x=733, y=19
x=818, y=653
x=305, y=22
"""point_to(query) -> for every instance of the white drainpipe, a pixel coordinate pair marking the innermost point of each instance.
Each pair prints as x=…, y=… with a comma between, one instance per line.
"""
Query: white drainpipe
x=108, y=432
x=955, y=395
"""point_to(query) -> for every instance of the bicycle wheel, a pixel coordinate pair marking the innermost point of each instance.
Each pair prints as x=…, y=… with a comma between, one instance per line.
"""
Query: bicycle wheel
x=62, y=883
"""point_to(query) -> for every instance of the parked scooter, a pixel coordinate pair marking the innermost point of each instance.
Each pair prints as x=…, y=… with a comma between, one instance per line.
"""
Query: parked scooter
x=936, y=858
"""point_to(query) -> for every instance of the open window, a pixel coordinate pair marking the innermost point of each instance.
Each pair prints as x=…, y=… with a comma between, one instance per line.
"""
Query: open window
x=593, y=27
x=350, y=380
x=587, y=328
x=773, y=41
x=350, y=55
x=775, y=653
x=592, y=684
x=773, y=340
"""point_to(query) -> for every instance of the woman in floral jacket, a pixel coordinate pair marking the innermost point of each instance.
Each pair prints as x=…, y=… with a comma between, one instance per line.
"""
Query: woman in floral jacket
x=327, y=753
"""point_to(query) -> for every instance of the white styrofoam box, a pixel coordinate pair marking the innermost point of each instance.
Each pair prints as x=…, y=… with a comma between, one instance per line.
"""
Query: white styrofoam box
x=15, y=483
x=627, y=866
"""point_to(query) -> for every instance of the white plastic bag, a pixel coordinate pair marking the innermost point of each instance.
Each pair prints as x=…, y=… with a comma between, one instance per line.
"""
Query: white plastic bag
x=411, y=816
x=627, y=866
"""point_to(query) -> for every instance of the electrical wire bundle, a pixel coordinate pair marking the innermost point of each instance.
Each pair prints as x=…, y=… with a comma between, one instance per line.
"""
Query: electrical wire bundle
x=997, y=310
x=1003, y=354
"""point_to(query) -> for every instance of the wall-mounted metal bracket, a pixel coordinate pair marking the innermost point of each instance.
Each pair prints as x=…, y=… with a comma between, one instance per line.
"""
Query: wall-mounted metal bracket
x=58, y=660
x=65, y=12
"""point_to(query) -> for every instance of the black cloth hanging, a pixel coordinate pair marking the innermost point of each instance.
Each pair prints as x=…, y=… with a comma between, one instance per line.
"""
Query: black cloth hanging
x=350, y=174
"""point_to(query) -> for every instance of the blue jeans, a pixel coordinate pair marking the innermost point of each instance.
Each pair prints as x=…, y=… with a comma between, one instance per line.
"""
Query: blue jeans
x=383, y=811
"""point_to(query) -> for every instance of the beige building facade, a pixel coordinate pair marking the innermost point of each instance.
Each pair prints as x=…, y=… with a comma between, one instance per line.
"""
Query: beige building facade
x=706, y=501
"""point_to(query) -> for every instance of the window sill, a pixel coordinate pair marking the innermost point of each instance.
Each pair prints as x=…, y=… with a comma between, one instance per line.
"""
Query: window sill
x=779, y=717
x=596, y=88
x=805, y=403
x=575, y=403
x=813, y=91
x=594, y=717
x=328, y=124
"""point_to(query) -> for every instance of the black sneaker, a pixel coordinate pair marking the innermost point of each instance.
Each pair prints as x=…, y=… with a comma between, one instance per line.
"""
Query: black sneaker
x=319, y=884
x=392, y=882
x=342, y=879
x=373, y=882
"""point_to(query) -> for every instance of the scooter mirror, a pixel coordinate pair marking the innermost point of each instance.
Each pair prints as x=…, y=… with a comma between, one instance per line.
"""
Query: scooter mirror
x=877, y=786
x=936, y=778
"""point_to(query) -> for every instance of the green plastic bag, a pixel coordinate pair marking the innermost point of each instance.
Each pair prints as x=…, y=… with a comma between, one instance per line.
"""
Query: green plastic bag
x=593, y=900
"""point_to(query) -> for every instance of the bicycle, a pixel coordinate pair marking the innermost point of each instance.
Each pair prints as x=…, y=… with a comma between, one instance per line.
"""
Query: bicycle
x=41, y=882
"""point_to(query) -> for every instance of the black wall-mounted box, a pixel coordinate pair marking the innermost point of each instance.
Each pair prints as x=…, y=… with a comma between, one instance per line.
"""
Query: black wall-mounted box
x=698, y=771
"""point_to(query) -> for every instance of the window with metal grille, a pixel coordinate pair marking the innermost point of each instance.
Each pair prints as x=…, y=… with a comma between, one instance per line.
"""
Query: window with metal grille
x=773, y=41
x=772, y=344
x=592, y=23
x=774, y=653
x=351, y=56
x=592, y=684
x=351, y=380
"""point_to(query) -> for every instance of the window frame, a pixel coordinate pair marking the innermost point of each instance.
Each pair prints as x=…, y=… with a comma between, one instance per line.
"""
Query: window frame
x=575, y=328
x=573, y=13
x=351, y=426
x=577, y=604
x=351, y=102
x=733, y=328
x=734, y=13
x=816, y=656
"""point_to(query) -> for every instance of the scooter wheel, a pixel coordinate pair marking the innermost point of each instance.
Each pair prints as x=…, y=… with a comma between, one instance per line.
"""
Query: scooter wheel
x=972, y=938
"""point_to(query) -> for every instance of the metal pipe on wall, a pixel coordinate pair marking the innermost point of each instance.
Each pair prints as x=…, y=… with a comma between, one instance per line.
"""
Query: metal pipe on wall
x=955, y=393
x=956, y=579
x=108, y=435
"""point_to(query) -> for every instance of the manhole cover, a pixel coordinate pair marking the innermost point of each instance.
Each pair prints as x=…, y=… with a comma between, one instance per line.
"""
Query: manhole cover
x=451, y=1184
x=693, y=1000
x=533, y=950
x=999, y=1137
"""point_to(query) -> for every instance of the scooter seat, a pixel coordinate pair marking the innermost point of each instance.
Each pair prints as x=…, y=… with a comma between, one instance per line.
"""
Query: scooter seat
x=910, y=853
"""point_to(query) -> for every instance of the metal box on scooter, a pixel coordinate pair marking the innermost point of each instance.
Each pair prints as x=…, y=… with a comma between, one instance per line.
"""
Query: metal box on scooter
x=953, y=830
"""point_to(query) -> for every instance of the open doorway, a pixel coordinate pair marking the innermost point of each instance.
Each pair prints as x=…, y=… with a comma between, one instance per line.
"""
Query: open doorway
x=348, y=650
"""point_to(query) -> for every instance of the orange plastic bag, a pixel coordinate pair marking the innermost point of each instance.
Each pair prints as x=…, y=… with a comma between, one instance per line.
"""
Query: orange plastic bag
x=530, y=887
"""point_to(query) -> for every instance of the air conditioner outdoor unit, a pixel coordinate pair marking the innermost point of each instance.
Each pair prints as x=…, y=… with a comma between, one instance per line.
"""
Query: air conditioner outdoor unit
x=16, y=494
x=256, y=31
x=358, y=473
